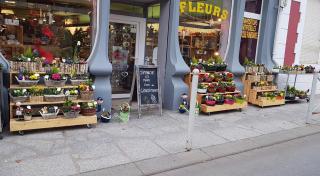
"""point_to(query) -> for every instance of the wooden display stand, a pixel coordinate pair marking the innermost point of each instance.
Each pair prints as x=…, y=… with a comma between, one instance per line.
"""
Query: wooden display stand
x=253, y=94
x=217, y=108
x=37, y=121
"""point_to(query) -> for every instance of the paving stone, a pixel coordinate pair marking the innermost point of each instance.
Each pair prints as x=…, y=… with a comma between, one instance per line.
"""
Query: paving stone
x=38, y=145
x=121, y=170
x=235, y=133
x=139, y=149
x=172, y=143
x=59, y=165
x=155, y=165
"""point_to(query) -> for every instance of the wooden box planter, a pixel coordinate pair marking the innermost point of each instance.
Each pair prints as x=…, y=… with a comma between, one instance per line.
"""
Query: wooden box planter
x=54, y=98
x=27, y=83
x=86, y=95
x=71, y=114
x=36, y=99
x=20, y=99
x=254, y=78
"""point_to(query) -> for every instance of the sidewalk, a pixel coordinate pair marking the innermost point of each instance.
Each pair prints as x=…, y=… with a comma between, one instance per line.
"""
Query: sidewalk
x=78, y=150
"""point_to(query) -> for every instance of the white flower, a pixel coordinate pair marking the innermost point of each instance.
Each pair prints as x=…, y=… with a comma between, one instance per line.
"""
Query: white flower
x=55, y=107
x=28, y=107
x=58, y=89
x=67, y=92
x=78, y=43
x=46, y=77
x=37, y=74
x=78, y=105
x=95, y=103
x=76, y=91
x=28, y=59
x=63, y=60
x=24, y=90
x=93, y=87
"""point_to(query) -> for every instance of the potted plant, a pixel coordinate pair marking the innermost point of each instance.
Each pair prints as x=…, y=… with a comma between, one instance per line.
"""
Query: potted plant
x=54, y=94
x=309, y=69
x=231, y=87
x=210, y=65
x=248, y=65
x=88, y=108
x=302, y=94
x=124, y=112
x=55, y=78
x=49, y=112
x=72, y=94
x=105, y=116
x=77, y=79
x=210, y=101
x=228, y=76
x=202, y=88
x=27, y=79
x=221, y=88
x=280, y=95
x=291, y=93
x=218, y=77
x=86, y=90
x=19, y=95
x=209, y=78
x=71, y=109
x=219, y=99
x=212, y=88
x=27, y=113
x=220, y=64
x=229, y=99
x=182, y=108
x=36, y=94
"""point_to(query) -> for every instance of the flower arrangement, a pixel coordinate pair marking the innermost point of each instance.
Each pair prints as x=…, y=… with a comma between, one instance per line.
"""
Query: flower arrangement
x=27, y=113
x=36, y=93
x=19, y=95
x=202, y=88
x=71, y=109
x=72, y=94
x=210, y=100
x=54, y=78
x=88, y=108
x=221, y=88
x=124, y=112
x=239, y=99
x=86, y=90
x=49, y=112
x=212, y=88
x=218, y=77
x=228, y=77
x=219, y=99
x=27, y=79
x=229, y=99
x=54, y=94
x=53, y=91
x=230, y=87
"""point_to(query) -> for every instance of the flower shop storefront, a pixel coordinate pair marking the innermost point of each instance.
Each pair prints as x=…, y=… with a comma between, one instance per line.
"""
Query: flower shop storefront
x=65, y=54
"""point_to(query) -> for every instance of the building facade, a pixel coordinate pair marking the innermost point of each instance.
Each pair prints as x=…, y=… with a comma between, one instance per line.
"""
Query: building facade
x=125, y=34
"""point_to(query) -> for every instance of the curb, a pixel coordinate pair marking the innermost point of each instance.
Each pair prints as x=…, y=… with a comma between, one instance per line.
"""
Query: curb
x=165, y=163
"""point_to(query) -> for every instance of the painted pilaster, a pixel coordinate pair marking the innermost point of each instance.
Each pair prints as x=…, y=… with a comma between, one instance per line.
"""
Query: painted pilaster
x=4, y=102
x=232, y=56
x=99, y=65
x=172, y=65
x=268, y=25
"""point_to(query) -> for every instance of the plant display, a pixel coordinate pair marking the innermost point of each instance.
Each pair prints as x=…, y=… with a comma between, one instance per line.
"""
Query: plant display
x=221, y=87
x=219, y=99
x=228, y=76
x=229, y=99
x=239, y=99
x=25, y=75
x=230, y=87
x=55, y=75
x=209, y=78
x=89, y=105
x=71, y=92
x=212, y=88
x=248, y=62
x=218, y=77
x=309, y=69
x=292, y=92
x=70, y=106
x=36, y=91
x=27, y=111
x=210, y=101
x=269, y=95
x=52, y=91
x=87, y=86
x=19, y=92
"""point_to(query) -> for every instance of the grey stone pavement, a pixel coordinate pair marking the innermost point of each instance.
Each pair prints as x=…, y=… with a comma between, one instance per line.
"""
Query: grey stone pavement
x=71, y=151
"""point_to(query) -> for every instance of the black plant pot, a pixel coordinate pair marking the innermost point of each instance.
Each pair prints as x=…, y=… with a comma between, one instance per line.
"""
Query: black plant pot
x=210, y=68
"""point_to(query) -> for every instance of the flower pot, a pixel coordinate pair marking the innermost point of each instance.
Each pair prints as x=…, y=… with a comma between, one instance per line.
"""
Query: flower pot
x=53, y=83
x=27, y=83
x=27, y=117
x=220, y=102
x=88, y=112
x=228, y=101
x=54, y=98
x=86, y=95
x=182, y=110
x=202, y=91
x=231, y=88
x=105, y=118
x=72, y=97
x=210, y=102
x=20, y=99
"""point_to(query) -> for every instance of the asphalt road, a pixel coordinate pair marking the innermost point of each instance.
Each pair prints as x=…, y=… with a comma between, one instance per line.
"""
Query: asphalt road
x=300, y=157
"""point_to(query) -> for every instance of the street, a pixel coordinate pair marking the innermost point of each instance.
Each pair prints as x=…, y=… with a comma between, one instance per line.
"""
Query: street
x=300, y=157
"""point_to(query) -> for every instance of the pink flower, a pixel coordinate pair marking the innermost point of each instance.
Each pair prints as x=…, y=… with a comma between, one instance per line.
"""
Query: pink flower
x=56, y=76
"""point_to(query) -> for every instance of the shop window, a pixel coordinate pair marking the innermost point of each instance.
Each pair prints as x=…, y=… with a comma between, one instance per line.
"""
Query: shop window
x=253, y=6
x=204, y=29
x=151, y=49
x=126, y=9
x=49, y=29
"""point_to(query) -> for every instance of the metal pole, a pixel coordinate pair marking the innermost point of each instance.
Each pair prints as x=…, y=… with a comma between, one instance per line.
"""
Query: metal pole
x=312, y=96
x=193, y=99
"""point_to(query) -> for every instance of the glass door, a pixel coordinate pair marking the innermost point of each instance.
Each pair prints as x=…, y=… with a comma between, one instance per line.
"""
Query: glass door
x=125, y=44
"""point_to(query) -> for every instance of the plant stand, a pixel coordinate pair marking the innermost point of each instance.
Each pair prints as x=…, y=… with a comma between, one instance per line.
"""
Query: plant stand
x=296, y=73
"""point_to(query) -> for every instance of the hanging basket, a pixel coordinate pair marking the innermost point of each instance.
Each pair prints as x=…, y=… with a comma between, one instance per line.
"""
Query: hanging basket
x=52, y=83
x=54, y=98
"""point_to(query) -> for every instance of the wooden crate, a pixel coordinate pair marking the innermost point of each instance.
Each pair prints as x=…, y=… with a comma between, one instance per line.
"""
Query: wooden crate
x=224, y=107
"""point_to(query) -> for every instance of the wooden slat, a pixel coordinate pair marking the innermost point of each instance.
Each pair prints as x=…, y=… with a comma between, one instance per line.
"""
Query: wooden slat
x=45, y=103
x=224, y=107
x=39, y=123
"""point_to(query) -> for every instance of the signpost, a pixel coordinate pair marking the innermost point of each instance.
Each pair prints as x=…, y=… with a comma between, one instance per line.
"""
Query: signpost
x=148, y=87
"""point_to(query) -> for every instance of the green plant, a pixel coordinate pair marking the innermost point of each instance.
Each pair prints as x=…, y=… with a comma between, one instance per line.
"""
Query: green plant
x=218, y=60
x=28, y=53
x=19, y=92
x=70, y=106
x=53, y=91
x=36, y=91
x=248, y=62
x=89, y=105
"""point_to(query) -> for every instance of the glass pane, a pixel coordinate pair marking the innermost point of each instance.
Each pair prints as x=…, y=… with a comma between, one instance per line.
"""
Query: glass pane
x=249, y=40
x=122, y=46
x=50, y=29
x=204, y=29
x=253, y=6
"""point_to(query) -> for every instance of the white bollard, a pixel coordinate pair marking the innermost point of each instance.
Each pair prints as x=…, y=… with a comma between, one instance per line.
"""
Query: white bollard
x=193, y=100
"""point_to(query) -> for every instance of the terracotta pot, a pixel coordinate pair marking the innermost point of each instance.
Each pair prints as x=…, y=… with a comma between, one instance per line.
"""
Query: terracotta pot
x=88, y=112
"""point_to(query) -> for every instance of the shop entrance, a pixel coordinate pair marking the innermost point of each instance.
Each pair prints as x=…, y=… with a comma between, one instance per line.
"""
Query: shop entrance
x=126, y=49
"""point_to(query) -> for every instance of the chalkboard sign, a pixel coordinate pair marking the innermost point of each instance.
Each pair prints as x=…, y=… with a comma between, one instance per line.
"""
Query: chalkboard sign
x=148, y=87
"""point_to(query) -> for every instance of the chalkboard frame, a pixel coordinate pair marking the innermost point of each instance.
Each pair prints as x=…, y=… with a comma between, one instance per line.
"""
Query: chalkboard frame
x=137, y=74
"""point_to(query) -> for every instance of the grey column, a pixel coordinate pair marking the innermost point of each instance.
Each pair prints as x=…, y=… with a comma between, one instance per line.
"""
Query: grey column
x=172, y=66
x=4, y=102
x=267, y=33
x=99, y=65
x=232, y=56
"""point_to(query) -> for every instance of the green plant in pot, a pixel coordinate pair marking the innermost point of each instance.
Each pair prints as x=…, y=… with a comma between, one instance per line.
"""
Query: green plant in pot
x=27, y=113
x=202, y=88
x=220, y=64
x=19, y=95
x=88, y=108
x=239, y=99
x=71, y=109
x=210, y=65
x=219, y=99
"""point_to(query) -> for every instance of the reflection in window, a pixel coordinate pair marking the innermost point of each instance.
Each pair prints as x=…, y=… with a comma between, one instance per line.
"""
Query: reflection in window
x=204, y=29
x=50, y=29
x=253, y=6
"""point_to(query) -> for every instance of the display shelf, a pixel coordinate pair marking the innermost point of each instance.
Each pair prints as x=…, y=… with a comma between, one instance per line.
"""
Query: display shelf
x=225, y=107
x=40, y=123
x=271, y=90
x=265, y=102
x=200, y=95
x=15, y=86
x=47, y=102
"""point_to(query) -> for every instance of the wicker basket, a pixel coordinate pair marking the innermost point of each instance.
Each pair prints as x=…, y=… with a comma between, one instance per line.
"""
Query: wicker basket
x=50, y=115
x=71, y=114
x=54, y=98
x=88, y=112
x=77, y=82
x=52, y=83
x=20, y=99
x=72, y=97
x=86, y=95
x=27, y=83
x=254, y=78
x=36, y=99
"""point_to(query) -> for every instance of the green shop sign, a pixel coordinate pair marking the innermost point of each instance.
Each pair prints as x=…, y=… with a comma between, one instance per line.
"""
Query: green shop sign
x=205, y=8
